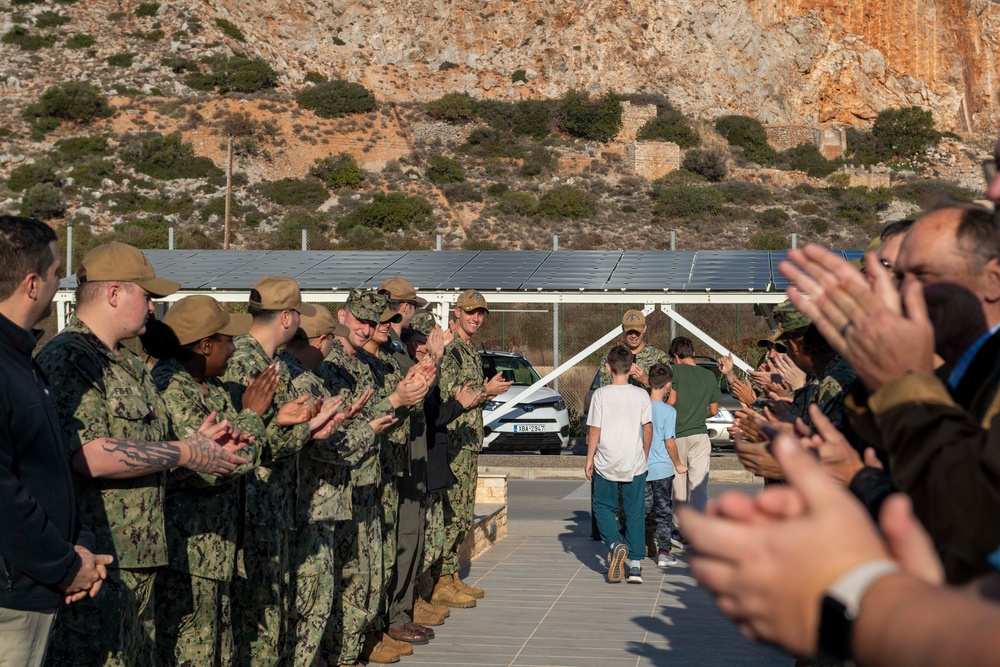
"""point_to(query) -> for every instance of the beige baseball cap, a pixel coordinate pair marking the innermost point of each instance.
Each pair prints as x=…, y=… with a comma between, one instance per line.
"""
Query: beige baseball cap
x=633, y=320
x=279, y=293
x=400, y=289
x=121, y=262
x=471, y=300
x=196, y=317
x=322, y=323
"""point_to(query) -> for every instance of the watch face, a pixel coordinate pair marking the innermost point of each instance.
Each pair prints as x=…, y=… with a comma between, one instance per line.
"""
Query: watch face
x=835, y=626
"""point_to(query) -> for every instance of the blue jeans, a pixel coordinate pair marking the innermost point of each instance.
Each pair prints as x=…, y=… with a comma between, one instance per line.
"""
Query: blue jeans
x=660, y=511
x=605, y=502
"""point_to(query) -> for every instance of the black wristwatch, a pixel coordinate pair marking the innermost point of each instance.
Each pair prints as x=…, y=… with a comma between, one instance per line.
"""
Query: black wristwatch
x=840, y=607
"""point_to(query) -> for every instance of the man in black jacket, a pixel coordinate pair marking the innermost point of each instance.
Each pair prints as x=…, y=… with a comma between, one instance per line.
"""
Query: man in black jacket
x=46, y=552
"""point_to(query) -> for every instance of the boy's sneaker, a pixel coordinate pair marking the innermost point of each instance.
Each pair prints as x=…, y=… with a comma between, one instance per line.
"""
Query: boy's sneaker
x=678, y=543
x=616, y=562
x=634, y=575
x=665, y=559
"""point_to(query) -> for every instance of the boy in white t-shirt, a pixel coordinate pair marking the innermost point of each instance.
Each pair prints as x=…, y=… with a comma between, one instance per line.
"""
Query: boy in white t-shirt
x=621, y=431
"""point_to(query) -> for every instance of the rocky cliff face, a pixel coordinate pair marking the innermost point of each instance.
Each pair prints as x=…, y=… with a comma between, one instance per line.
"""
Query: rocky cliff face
x=783, y=61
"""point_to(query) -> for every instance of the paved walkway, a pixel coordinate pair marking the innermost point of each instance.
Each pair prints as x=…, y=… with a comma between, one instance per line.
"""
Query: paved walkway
x=548, y=605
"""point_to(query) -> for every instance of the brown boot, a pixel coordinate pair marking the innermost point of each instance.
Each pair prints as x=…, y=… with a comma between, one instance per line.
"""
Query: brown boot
x=424, y=615
x=445, y=593
x=471, y=591
x=397, y=645
x=438, y=609
x=375, y=650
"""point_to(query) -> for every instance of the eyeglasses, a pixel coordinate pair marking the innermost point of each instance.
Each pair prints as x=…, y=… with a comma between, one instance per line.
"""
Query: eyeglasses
x=990, y=169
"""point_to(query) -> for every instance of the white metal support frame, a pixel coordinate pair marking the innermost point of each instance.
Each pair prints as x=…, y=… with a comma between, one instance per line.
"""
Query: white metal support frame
x=704, y=337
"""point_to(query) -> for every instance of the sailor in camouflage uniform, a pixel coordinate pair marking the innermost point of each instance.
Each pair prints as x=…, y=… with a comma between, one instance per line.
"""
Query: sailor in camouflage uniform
x=461, y=366
x=261, y=592
x=347, y=372
x=634, y=330
x=117, y=431
x=324, y=495
x=204, y=516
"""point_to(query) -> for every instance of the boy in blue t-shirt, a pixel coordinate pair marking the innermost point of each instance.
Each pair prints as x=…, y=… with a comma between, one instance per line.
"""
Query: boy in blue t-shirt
x=663, y=462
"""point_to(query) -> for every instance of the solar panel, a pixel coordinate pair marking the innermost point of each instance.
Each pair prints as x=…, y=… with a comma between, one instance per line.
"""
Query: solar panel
x=651, y=270
x=425, y=269
x=497, y=269
x=730, y=270
x=292, y=263
x=343, y=270
x=574, y=270
x=779, y=281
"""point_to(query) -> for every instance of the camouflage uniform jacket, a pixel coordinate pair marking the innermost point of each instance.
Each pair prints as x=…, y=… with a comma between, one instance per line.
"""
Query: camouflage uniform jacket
x=101, y=394
x=349, y=377
x=647, y=357
x=325, y=465
x=461, y=365
x=203, y=513
x=394, y=444
x=270, y=492
x=828, y=392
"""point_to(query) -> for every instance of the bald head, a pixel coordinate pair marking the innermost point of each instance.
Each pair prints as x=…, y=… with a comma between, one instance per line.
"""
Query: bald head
x=959, y=245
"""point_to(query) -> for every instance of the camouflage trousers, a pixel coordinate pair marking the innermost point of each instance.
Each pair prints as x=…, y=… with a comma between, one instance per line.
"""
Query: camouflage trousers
x=459, y=505
x=260, y=627
x=313, y=588
x=433, y=529
x=358, y=574
x=114, y=629
x=193, y=621
x=390, y=519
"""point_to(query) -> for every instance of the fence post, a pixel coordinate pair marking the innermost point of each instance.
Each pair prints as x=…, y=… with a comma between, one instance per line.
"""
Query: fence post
x=170, y=238
x=69, y=250
x=305, y=240
x=438, y=243
x=673, y=246
x=795, y=241
x=673, y=240
x=555, y=326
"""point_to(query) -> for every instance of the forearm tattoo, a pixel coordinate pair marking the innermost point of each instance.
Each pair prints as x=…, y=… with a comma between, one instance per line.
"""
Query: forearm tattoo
x=151, y=456
x=205, y=453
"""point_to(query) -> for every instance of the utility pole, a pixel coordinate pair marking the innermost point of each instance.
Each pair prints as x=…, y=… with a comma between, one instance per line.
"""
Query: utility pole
x=229, y=191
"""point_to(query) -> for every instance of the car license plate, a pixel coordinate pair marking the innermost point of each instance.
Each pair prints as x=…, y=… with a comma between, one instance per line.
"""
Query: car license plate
x=528, y=428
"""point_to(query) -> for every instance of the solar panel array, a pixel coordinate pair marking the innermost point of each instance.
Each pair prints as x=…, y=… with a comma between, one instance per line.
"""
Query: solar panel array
x=513, y=270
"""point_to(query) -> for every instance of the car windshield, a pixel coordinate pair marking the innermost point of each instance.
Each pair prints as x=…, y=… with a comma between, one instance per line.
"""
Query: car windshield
x=514, y=369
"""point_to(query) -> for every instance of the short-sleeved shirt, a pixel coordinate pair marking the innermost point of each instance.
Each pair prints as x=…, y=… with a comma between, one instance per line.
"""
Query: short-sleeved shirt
x=696, y=388
x=664, y=423
x=620, y=410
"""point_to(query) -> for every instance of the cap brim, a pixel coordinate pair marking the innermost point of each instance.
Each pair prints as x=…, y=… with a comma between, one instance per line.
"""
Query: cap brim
x=341, y=330
x=419, y=301
x=765, y=342
x=472, y=309
x=389, y=315
x=238, y=325
x=627, y=329
x=306, y=309
x=159, y=287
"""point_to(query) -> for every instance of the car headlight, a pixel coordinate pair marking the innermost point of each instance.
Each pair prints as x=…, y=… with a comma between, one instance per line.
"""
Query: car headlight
x=492, y=405
x=723, y=415
x=559, y=405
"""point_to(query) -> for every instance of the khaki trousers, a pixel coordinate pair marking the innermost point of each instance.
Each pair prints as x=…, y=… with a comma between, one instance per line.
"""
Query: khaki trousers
x=24, y=636
x=694, y=451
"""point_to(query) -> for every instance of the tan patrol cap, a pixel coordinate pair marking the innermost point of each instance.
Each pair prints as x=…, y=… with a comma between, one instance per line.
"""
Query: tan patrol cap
x=279, y=293
x=196, y=317
x=633, y=320
x=400, y=289
x=121, y=262
x=471, y=300
x=322, y=323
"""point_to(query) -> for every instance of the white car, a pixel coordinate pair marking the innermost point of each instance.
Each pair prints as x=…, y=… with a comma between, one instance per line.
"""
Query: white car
x=541, y=422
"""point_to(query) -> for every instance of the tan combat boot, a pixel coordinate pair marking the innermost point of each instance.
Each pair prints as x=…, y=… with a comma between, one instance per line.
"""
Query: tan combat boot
x=437, y=608
x=424, y=614
x=402, y=648
x=445, y=593
x=471, y=591
x=375, y=650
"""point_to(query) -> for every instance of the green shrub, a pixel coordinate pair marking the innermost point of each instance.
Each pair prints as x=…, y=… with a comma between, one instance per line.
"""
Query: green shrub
x=447, y=65
x=245, y=75
x=441, y=170
x=336, y=98
x=180, y=65
x=338, y=171
x=315, y=77
x=682, y=201
x=747, y=133
x=451, y=107
x=230, y=30
x=81, y=147
x=391, y=211
x=526, y=118
x=50, y=19
x=566, y=201
x=818, y=225
x=905, y=133
x=43, y=201
x=74, y=101
x=518, y=203
x=588, y=119
x=480, y=244
x=91, y=173
x=80, y=41
x=860, y=206
x=123, y=59
x=669, y=126
x=154, y=35
x=768, y=241
x=26, y=40
x=460, y=192
x=147, y=9
x=806, y=158
x=496, y=189
x=306, y=192
x=42, y=126
x=538, y=161
x=743, y=193
x=772, y=217
x=166, y=157
x=926, y=192
x=490, y=142
x=116, y=16
x=29, y=175
x=519, y=75
x=677, y=177
x=710, y=163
